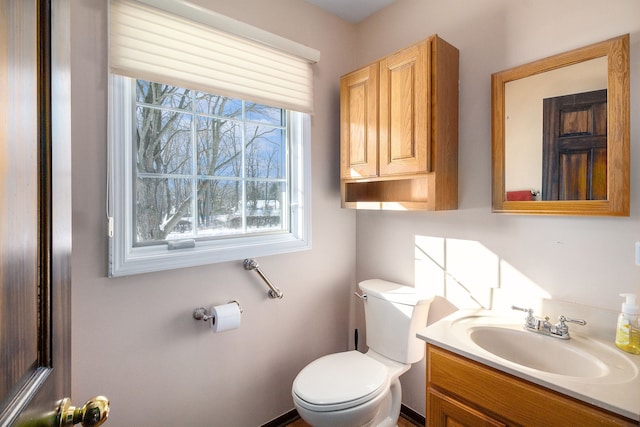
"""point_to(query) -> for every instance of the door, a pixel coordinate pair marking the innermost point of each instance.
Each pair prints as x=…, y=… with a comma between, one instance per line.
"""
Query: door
x=35, y=221
x=575, y=147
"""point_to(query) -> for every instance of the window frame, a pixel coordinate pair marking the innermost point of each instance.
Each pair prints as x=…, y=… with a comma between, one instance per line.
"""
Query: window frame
x=126, y=258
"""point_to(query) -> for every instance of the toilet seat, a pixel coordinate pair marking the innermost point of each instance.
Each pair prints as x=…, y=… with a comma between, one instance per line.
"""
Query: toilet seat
x=340, y=381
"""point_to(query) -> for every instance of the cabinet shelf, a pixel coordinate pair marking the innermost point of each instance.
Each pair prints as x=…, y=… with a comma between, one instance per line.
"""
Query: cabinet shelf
x=393, y=194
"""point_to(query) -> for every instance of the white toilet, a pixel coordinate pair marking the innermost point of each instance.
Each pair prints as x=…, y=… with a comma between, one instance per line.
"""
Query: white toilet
x=352, y=389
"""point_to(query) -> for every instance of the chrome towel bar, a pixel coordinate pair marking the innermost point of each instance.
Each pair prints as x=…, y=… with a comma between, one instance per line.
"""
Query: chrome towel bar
x=251, y=264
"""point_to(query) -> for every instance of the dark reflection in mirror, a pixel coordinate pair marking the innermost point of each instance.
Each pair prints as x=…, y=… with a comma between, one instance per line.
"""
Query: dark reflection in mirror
x=574, y=147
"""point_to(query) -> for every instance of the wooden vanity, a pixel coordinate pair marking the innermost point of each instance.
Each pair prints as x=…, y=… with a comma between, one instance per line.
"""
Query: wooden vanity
x=463, y=392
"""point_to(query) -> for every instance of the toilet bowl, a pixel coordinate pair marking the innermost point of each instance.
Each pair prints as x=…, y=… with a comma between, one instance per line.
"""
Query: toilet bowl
x=352, y=389
x=349, y=389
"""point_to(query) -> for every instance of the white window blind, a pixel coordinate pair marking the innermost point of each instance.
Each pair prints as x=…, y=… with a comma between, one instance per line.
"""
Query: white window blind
x=166, y=45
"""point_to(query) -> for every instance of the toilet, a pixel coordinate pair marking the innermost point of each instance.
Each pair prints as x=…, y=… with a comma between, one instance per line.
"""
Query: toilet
x=352, y=389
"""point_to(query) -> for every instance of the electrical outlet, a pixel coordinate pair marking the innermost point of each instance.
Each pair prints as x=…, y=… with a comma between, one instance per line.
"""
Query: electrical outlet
x=637, y=253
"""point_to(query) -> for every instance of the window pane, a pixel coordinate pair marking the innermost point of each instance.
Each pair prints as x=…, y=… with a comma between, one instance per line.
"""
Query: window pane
x=163, y=209
x=266, y=152
x=262, y=113
x=163, y=141
x=219, y=205
x=163, y=95
x=239, y=182
x=220, y=106
x=219, y=147
x=264, y=206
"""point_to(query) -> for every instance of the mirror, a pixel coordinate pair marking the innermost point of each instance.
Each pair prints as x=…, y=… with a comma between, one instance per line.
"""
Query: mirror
x=560, y=133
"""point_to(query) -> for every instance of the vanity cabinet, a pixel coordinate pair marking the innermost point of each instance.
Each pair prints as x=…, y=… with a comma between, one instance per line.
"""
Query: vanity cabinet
x=462, y=392
x=399, y=130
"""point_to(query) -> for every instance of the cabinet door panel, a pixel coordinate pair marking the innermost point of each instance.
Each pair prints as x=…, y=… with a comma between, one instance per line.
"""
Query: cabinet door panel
x=359, y=123
x=405, y=111
x=447, y=412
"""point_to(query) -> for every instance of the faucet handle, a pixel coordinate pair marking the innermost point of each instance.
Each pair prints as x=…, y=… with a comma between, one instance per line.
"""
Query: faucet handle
x=562, y=328
x=527, y=310
x=562, y=319
x=530, y=321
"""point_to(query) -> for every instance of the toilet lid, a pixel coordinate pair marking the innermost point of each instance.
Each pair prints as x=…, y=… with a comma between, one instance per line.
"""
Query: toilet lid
x=343, y=379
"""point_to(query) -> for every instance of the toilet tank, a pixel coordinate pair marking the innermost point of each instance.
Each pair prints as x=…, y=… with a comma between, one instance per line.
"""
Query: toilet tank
x=393, y=314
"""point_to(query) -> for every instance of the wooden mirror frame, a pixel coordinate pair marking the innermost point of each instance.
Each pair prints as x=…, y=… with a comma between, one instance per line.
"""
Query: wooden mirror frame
x=618, y=132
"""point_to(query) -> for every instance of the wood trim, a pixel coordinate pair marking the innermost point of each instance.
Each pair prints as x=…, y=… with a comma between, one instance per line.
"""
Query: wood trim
x=618, y=133
x=412, y=415
x=445, y=88
x=45, y=183
x=291, y=416
x=283, y=420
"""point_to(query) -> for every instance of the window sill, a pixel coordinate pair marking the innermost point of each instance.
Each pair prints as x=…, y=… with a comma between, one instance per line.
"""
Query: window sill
x=158, y=258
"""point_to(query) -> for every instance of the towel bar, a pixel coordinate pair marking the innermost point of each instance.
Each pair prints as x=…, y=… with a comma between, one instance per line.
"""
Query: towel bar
x=251, y=264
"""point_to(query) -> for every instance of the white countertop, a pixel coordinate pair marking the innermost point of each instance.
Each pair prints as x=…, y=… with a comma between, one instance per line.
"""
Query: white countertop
x=620, y=397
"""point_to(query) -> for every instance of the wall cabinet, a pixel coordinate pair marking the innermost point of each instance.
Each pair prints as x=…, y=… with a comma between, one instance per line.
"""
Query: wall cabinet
x=399, y=130
x=462, y=392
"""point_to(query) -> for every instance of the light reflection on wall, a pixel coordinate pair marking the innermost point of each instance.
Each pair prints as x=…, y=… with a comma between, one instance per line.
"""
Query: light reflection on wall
x=469, y=275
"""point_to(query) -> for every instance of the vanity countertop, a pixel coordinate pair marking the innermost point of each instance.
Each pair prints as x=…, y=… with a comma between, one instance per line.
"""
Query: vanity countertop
x=621, y=396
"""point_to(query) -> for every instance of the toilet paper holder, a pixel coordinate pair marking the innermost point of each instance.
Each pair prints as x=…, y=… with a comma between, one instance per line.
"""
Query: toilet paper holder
x=202, y=313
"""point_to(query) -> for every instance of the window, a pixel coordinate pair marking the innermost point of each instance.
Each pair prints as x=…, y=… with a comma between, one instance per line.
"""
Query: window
x=207, y=165
x=200, y=178
x=208, y=138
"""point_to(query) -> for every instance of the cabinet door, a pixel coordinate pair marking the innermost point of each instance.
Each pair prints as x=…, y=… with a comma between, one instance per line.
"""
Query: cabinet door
x=405, y=111
x=505, y=396
x=359, y=123
x=447, y=412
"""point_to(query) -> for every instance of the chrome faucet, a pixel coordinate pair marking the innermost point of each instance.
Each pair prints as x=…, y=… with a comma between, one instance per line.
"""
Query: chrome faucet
x=544, y=327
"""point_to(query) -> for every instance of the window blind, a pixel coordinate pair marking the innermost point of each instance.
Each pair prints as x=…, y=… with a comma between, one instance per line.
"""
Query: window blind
x=154, y=44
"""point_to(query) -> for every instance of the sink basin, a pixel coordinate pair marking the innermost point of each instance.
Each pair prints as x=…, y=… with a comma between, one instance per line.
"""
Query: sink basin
x=579, y=358
x=537, y=351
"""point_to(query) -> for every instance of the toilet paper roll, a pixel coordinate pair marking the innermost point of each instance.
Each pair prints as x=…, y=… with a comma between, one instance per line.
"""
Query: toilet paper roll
x=225, y=317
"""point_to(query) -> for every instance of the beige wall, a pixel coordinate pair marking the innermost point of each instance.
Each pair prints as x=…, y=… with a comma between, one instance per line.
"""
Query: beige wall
x=134, y=339
x=582, y=260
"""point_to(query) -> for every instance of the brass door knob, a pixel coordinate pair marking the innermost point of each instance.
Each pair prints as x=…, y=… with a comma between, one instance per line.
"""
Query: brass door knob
x=94, y=412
